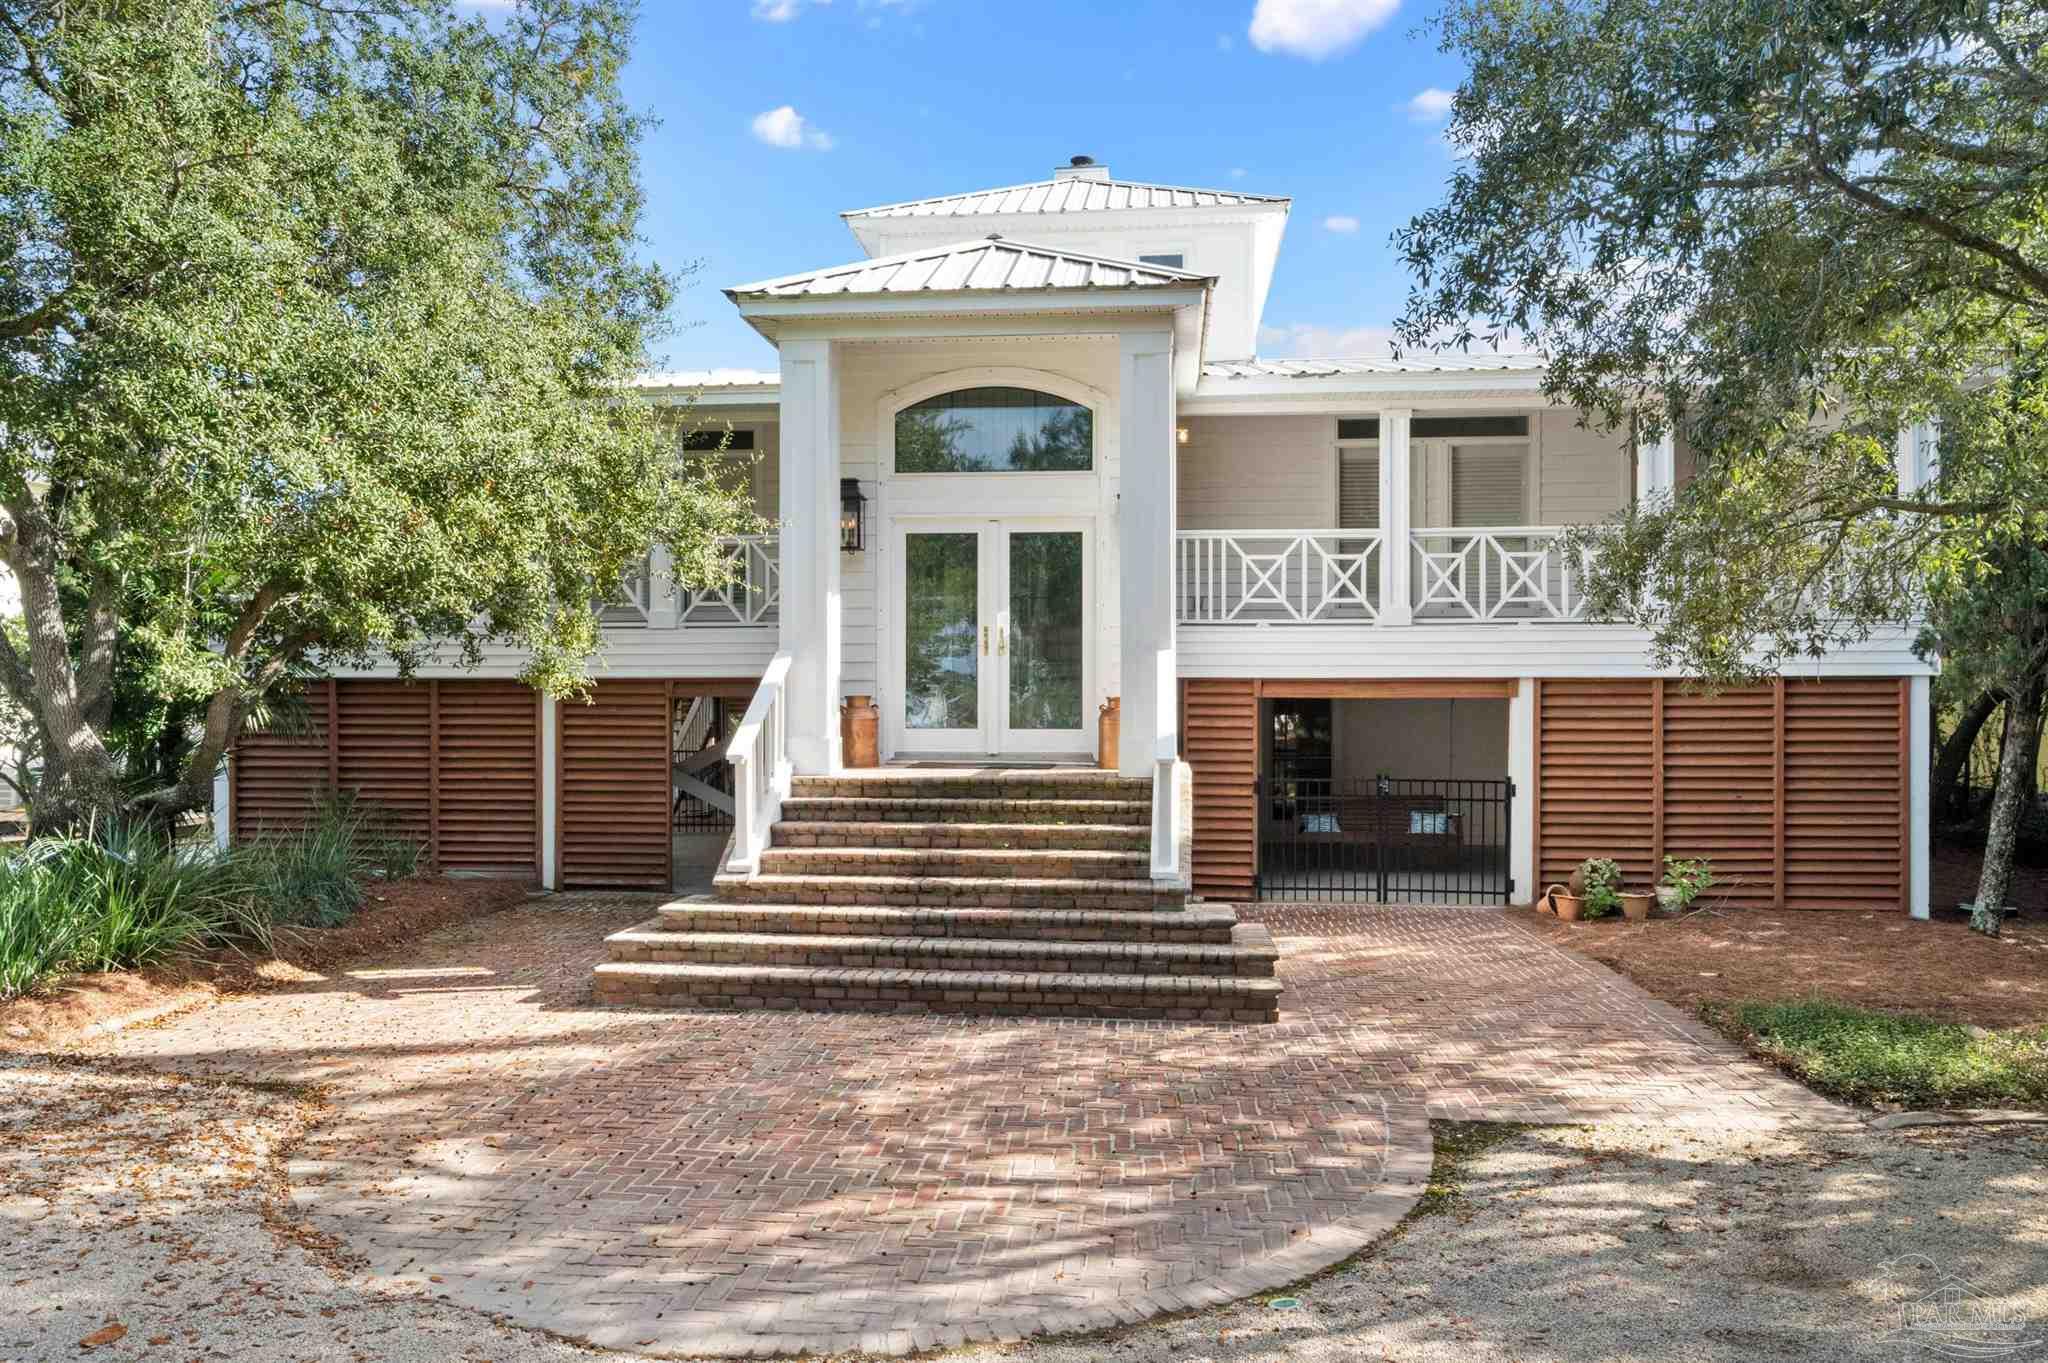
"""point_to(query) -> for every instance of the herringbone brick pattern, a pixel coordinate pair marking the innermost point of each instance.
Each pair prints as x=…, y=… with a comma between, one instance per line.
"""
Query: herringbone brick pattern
x=724, y=1183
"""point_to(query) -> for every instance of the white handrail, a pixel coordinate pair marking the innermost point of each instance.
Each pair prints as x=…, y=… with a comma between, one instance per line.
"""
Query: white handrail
x=759, y=754
x=1166, y=768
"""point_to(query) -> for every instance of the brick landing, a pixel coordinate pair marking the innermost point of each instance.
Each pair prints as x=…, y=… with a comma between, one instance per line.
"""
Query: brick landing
x=724, y=1183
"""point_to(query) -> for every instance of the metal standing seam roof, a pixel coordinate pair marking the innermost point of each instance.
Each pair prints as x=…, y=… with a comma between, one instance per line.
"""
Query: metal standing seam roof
x=1067, y=195
x=706, y=378
x=1373, y=364
x=992, y=264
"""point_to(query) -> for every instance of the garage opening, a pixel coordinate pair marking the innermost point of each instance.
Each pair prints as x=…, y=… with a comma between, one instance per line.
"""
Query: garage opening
x=700, y=785
x=1387, y=801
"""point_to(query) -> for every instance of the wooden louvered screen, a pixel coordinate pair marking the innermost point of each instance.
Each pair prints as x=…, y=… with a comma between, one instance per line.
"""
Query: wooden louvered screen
x=1845, y=794
x=1796, y=791
x=1594, y=770
x=454, y=763
x=384, y=748
x=275, y=778
x=486, y=777
x=613, y=820
x=1220, y=739
x=1720, y=763
x=1358, y=489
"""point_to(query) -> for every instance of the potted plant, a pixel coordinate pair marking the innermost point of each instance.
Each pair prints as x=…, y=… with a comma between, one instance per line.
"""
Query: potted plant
x=1685, y=879
x=1635, y=905
x=1603, y=886
x=1562, y=902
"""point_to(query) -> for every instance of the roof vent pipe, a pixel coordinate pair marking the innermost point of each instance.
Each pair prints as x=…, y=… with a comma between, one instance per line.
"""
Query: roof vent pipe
x=1081, y=168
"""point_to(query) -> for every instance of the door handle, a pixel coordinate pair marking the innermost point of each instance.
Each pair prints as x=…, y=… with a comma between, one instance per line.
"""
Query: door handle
x=984, y=641
x=1002, y=639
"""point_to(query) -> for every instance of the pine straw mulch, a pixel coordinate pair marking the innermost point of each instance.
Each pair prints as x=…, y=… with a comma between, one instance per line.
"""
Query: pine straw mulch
x=62, y=1013
x=1708, y=961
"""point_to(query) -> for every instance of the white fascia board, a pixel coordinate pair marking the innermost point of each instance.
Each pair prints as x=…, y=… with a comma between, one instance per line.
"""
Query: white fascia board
x=764, y=395
x=1022, y=302
x=1219, y=396
x=938, y=229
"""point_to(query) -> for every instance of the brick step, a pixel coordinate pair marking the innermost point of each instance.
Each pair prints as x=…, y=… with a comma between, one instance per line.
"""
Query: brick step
x=950, y=892
x=919, y=809
x=1200, y=923
x=1208, y=998
x=900, y=783
x=1032, y=863
x=1250, y=952
x=851, y=833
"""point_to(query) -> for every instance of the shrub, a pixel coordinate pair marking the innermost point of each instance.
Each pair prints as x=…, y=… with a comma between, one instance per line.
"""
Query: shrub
x=1689, y=877
x=1603, y=887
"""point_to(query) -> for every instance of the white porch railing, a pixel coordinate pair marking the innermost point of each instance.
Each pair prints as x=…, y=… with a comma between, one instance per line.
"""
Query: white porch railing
x=752, y=596
x=1512, y=572
x=1248, y=576
x=1169, y=773
x=759, y=753
x=1456, y=575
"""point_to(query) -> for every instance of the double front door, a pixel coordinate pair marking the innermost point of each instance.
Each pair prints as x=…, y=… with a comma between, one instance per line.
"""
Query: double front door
x=993, y=630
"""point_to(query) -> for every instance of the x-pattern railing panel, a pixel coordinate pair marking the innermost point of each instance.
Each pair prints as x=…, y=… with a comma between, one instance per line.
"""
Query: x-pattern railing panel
x=752, y=596
x=1253, y=576
x=1519, y=572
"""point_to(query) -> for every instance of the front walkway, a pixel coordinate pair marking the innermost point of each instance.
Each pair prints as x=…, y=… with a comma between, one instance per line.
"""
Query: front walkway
x=726, y=1183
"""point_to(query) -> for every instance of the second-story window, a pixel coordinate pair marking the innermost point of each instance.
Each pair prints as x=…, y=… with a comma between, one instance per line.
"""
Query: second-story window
x=1172, y=260
x=995, y=430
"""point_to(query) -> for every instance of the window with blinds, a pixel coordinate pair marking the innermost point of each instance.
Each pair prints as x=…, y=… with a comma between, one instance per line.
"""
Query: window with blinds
x=1358, y=489
x=1489, y=484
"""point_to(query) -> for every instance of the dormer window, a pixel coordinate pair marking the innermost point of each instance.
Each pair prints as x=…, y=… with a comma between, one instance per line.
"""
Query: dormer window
x=995, y=430
x=1173, y=260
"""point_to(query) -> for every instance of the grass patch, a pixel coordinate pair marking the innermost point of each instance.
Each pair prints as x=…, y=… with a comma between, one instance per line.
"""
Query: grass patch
x=1871, y=1057
x=130, y=896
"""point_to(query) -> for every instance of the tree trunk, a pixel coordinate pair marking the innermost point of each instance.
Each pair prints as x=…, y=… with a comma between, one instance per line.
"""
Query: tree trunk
x=1954, y=756
x=1994, y=883
x=2031, y=773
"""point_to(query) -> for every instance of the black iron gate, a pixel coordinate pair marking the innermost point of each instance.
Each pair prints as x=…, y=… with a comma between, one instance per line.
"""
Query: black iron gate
x=1389, y=839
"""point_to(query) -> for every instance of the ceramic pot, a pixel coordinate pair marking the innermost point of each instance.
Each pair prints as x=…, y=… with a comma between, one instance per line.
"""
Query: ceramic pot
x=860, y=727
x=1668, y=898
x=1635, y=907
x=1576, y=882
x=1109, y=729
x=1564, y=904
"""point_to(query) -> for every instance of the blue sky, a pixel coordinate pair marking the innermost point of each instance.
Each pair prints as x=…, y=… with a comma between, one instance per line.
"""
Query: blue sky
x=897, y=99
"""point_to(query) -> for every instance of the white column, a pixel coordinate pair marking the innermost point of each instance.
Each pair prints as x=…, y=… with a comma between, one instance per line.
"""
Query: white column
x=550, y=794
x=1144, y=517
x=1522, y=771
x=810, y=629
x=1656, y=466
x=222, y=815
x=1920, y=797
x=1396, y=559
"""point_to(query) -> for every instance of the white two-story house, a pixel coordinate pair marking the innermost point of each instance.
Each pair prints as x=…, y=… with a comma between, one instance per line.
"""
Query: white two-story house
x=1024, y=459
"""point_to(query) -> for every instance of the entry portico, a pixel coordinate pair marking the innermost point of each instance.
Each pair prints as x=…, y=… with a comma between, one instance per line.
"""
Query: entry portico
x=1005, y=589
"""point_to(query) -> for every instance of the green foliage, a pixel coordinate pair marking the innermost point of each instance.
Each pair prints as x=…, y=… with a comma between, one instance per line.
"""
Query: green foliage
x=125, y=895
x=1603, y=886
x=315, y=319
x=1873, y=1057
x=1787, y=232
x=1689, y=877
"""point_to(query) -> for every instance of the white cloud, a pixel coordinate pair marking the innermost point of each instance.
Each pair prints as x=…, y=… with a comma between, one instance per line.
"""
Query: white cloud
x=1340, y=222
x=1431, y=105
x=1306, y=341
x=782, y=11
x=1316, y=29
x=788, y=129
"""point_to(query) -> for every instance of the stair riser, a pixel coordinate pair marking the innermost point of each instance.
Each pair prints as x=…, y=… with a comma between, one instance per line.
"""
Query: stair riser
x=1078, y=1002
x=1048, y=961
x=1101, y=895
x=1037, y=865
x=1078, y=786
x=965, y=836
x=1136, y=927
x=970, y=811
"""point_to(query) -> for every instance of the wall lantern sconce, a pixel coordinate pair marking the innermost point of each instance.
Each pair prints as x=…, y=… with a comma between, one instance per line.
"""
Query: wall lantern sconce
x=853, y=516
x=1180, y=434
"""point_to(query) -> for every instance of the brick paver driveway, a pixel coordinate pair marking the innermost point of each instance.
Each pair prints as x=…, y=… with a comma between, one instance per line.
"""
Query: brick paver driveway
x=727, y=1183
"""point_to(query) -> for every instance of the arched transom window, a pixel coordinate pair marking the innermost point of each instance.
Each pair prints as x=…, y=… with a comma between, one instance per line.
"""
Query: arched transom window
x=995, y=430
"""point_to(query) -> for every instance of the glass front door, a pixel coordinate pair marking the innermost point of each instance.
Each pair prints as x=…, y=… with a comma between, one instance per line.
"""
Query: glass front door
x=994, y=638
